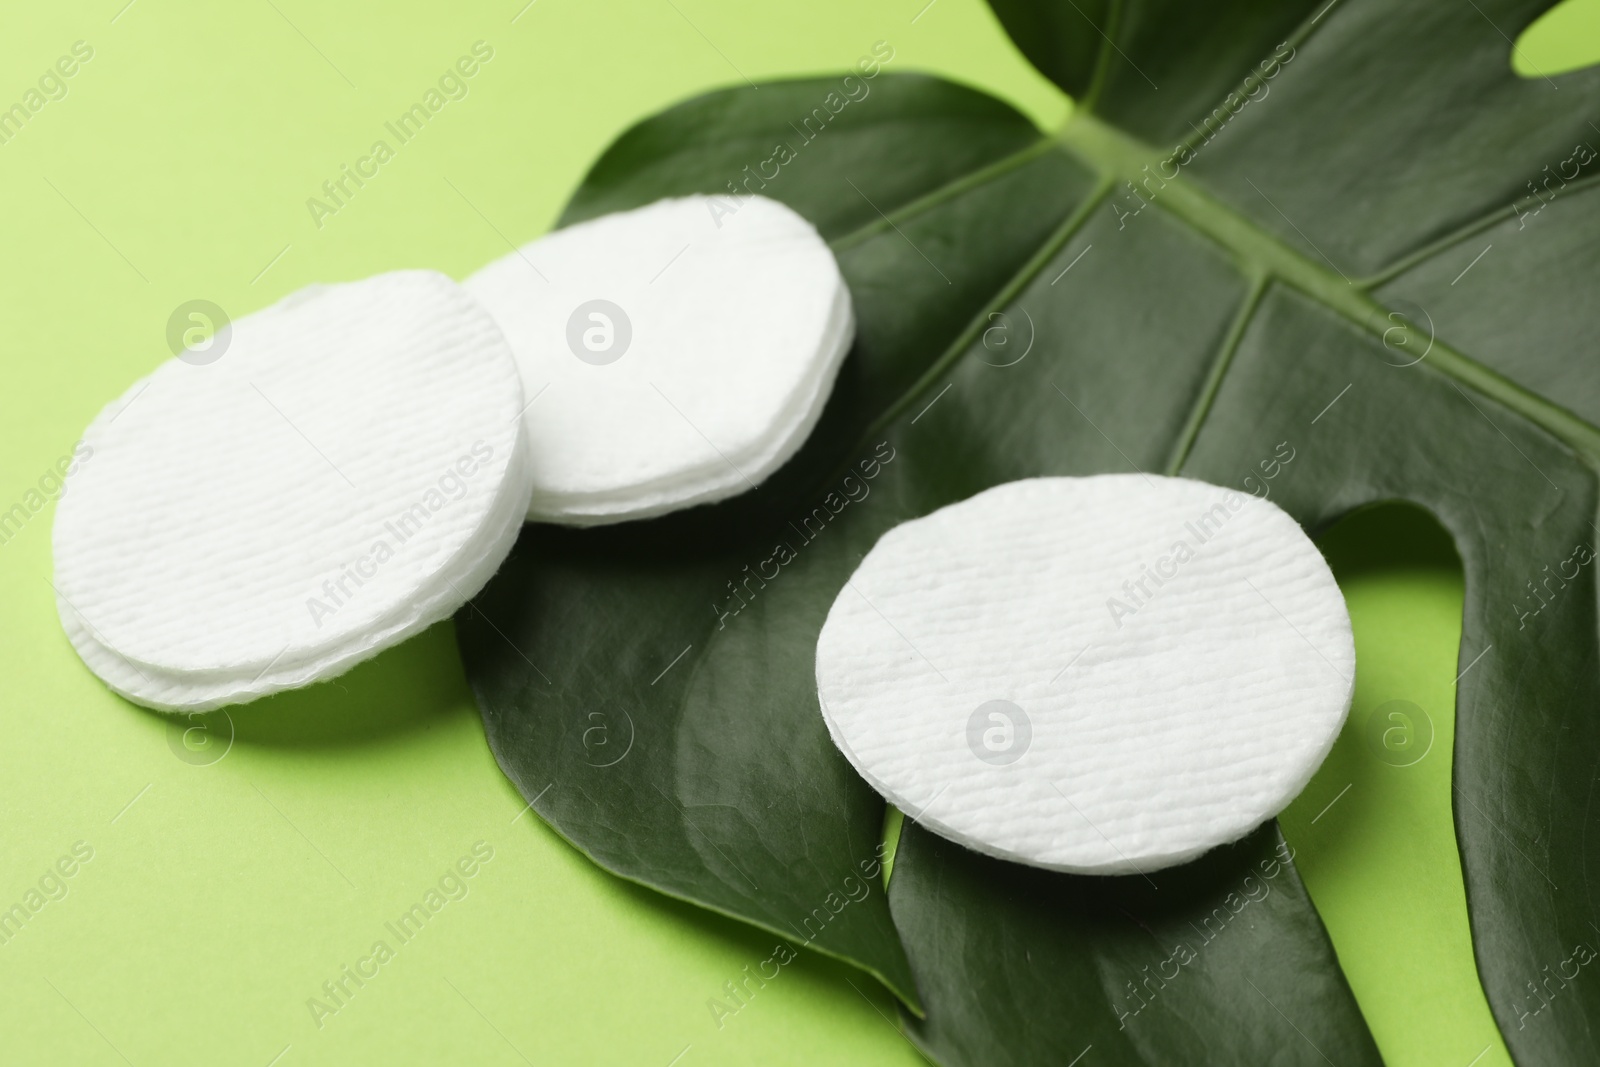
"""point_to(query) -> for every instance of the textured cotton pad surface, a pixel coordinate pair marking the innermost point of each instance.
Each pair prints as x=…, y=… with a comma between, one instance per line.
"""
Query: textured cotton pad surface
x=350, y=471
x=1102, y=675
x=671, y=355
x=192, y=691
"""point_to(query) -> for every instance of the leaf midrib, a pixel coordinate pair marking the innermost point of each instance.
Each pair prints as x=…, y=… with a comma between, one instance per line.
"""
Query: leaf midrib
x=1261, y=257
x=1259, y=252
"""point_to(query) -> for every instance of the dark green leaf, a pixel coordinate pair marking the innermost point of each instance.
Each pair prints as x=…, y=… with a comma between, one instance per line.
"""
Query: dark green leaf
x=1332, y=256
x=1219, y=961
x=896, y=138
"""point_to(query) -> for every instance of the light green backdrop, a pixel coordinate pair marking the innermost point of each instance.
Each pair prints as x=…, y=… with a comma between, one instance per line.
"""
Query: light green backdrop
x=230, y=879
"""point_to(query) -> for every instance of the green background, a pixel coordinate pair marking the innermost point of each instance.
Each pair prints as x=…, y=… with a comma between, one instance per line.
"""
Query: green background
x=231, y=879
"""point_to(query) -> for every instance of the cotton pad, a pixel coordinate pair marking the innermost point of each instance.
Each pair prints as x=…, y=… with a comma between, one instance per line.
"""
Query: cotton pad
x=350, y=471
x=1103, y=675
x=192, y=692
x=671, y=355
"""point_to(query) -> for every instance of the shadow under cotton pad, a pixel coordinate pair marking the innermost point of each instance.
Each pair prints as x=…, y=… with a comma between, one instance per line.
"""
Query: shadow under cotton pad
x=351, y=470
x=1103, y=675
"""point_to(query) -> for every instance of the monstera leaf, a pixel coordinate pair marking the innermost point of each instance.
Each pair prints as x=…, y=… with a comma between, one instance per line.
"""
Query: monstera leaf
x=1345, y=231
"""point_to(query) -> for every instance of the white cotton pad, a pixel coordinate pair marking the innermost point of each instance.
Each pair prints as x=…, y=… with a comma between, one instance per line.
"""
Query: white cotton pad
x=350, y=471
x=672, y=355
x=191, y=692
x=1102, y=675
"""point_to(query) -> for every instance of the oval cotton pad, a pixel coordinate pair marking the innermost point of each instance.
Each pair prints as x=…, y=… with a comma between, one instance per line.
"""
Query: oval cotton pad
x=1103, y=675
x=672, y=355
x=350, y=471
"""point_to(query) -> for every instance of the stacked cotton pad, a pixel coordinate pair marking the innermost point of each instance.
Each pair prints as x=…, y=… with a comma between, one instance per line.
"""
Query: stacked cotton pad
x=358, y=462
x=1104, y=675
x=673, y=355
x=350, y=472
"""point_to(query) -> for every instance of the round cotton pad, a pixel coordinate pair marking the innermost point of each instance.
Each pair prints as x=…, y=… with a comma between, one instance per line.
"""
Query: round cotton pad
x=1102, y=675
x=672, y=355
x=350, y=471
x=195, y=692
